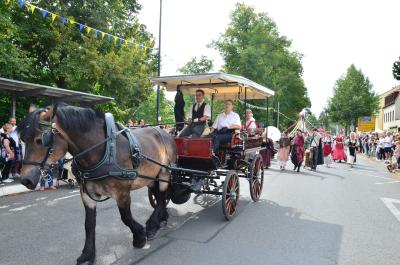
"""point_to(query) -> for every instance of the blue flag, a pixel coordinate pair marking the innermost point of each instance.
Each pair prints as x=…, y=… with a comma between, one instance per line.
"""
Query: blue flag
x=21, y=3
x=44, y=13
x=63, y=20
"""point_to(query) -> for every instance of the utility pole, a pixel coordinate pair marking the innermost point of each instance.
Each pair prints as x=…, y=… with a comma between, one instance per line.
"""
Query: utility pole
x=159, y=66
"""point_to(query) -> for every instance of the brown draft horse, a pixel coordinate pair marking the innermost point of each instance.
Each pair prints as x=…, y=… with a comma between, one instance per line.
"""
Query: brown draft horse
x=75, y=129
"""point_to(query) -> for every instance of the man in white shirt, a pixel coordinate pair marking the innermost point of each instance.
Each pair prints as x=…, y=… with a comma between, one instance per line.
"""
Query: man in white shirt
x=224, y=126
x=197, y=116
x=387, y=145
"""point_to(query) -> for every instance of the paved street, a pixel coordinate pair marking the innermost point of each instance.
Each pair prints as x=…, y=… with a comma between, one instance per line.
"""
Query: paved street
x=334, y=216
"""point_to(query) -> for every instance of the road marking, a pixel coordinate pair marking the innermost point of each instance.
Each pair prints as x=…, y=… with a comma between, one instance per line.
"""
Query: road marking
x=21, y=208
x=41, y=199
x=4, y=206
x=390, y=205
x=389, y=182
x=380, y=177
x=66, y=197
x=74, y=191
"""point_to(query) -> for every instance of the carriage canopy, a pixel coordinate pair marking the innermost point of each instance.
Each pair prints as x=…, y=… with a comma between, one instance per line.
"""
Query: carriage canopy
x=220, y=85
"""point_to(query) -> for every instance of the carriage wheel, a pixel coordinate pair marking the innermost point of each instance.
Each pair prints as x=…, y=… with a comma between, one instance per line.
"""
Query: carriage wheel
x=152, y=198
x=230, y=195
x=256, y=178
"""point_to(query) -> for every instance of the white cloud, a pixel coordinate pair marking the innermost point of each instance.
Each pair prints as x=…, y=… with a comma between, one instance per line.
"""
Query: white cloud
x=330, y=34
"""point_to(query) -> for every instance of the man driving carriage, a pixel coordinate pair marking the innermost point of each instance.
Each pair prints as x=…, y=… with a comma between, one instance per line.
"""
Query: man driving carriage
x=197, y=116
x=224, y=126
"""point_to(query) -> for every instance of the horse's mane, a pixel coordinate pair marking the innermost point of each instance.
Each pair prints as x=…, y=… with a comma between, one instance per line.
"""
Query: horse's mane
x=73, y=118
x=70, y=118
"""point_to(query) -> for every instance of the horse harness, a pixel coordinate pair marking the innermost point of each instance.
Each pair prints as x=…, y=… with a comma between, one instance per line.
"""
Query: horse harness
x=108, y=165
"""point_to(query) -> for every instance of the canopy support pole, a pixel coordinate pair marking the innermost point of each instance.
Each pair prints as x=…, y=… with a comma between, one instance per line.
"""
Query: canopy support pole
x=13, y=104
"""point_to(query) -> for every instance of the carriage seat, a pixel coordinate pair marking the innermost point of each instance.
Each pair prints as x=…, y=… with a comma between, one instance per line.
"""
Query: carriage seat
x=236, y=139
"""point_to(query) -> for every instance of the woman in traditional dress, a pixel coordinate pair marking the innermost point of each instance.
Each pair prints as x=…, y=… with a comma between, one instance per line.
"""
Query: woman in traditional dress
x=284, y=151
x=327, y=150
x=338, y=151
x=352, y=144
x=298, y=150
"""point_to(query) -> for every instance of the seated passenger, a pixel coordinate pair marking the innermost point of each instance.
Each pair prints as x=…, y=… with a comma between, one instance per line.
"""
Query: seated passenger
x=250, y=121
x=198, y=115
x=224, y=126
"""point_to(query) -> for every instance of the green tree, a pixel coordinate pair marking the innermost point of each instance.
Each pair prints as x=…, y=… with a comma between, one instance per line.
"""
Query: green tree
x=396, y=69
x=353, y=97
x=197, y=66
x=252, y=47
x=324, y=120
x=41, y=51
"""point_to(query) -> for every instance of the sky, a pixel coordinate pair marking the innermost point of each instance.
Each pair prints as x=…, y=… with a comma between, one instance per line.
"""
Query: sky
x=331, y=35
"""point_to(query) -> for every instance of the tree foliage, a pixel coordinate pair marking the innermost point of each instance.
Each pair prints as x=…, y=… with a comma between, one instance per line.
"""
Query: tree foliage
x=396, y=69
x=252, y=47
x=38, y=50
x=197, y=66
x=353, y=97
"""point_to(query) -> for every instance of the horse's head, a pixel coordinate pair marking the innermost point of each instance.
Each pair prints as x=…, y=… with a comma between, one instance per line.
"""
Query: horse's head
x=44, y=146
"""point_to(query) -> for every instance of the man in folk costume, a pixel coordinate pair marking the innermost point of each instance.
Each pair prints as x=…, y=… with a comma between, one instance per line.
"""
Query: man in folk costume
x=297, y=154
x=197, y=116
x=314, y=150
x=250, y=122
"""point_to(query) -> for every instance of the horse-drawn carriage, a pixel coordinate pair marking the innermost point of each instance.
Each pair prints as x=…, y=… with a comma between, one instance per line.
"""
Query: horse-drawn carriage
x=240, y=158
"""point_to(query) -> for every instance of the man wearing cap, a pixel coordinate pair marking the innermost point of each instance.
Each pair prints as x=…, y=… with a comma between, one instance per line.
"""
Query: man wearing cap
x=197, y=116
x=250, y=122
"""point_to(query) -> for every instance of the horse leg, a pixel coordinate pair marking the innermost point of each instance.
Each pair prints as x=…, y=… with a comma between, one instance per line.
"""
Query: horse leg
x=124, y=206
x=89, y=250
x=159, y=215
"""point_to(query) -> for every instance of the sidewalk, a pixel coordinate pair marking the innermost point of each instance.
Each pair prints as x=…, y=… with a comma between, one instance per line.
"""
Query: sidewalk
x=12, y=189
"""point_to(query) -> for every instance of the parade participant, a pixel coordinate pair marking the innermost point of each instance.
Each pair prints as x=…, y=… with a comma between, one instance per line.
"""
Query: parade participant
x=387, y=146
x=250, y=122
x=352, y=144
x=314, y=145
x=8, y=152
x=297, y=153
x=327, y=150
x=224, y=126
x=284, y=151
x=338, y=150
x=197, y=116
x=307, y=145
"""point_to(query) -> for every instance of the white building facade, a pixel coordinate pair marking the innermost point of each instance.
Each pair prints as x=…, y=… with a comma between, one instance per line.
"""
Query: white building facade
x=391, y=112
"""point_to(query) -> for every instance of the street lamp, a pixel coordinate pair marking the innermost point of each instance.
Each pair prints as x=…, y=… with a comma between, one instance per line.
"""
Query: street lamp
x=159, y=65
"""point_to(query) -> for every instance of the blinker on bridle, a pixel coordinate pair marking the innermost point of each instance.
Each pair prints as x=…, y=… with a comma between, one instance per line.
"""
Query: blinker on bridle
x=48, y=130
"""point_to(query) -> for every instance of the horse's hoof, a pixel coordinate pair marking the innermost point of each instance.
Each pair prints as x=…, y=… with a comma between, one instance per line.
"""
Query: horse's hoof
x=139, y=243
x=163, y=224
x=85, y=263
x=152, y=234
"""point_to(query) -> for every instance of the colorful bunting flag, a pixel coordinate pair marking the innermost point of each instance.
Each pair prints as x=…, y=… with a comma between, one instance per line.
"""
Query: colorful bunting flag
x=122, y=42
x=32, y=8
x=44, y=13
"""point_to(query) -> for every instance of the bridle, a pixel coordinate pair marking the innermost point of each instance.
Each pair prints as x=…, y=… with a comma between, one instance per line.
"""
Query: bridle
x=47, y=140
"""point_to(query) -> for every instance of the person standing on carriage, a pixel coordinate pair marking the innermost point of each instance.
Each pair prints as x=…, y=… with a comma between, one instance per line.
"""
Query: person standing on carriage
x=297, y=154
x=250, y=122
x=197, y=116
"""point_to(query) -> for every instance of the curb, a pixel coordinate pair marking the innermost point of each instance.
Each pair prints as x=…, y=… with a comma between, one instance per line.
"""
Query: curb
x=13, y=190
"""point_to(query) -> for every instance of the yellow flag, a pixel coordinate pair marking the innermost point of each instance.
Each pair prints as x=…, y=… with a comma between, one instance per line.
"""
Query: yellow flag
x=71, y=21
x=115, y=39
x=32, y=7
x=102, y=35
x=53, y=17
x=88, y=29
